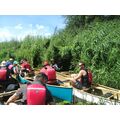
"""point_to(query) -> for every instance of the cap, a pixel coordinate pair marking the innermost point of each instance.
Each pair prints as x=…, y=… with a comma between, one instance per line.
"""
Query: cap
x=11, y=59
x=3, y=63
x=15, y=62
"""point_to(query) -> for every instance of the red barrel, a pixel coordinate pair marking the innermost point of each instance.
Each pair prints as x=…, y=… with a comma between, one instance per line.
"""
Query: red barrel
x=3, y=74
x=36, y=94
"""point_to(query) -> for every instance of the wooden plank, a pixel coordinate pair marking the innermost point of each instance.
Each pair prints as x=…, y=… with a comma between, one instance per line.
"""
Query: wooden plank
x=7, y=93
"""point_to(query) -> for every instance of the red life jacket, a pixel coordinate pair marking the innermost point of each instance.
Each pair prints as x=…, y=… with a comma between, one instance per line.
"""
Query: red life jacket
x=36, y=94
x=26, y=65
x=50, y=72
x=3, y=74
x=89, y=76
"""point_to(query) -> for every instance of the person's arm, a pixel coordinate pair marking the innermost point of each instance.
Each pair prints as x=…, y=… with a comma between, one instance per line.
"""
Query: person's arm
x=14, y=97
x=79, y=75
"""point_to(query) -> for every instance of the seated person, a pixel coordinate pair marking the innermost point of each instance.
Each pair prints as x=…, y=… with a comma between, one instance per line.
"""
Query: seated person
x=54, y=65
x=81, y=79
x=25, y=66
x=35, y=93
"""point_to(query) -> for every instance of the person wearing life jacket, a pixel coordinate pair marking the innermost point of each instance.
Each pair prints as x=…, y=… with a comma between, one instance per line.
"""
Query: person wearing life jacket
x=6, y=78
x=49, y=72
x=4, y=73
x=35, y=93
x=26, y=69
x=82, y=79
x=25, y=66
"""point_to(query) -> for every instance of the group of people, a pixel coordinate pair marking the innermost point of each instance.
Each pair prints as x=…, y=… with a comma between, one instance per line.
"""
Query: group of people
x=36, y=93
x=10, y=68
x=32, y=93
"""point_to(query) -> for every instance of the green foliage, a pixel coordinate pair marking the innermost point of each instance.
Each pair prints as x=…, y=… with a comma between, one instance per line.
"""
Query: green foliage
x=93, y=39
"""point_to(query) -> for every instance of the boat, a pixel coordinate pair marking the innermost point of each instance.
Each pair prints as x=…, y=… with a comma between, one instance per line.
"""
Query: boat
x=98, y=94
x=62, y=92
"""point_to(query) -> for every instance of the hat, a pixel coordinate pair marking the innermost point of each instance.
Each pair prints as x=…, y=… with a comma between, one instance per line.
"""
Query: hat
x=3, y=64
x=11, y=59
x=81, y=63
x=15, y=62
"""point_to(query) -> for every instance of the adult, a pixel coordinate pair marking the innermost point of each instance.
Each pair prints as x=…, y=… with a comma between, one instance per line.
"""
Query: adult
x=6, y=80
x=9, y=62
x=15, y=68
x=49, y=72
x=80, y=80
x=35, y=93
x=25, y=66
x=54, y=65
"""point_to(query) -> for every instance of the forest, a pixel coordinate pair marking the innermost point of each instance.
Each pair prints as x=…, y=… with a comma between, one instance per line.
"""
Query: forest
x=94, y=39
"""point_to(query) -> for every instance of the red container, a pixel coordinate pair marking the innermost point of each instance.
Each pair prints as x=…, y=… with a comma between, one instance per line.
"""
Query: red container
x=36, y=94
x=3, y=74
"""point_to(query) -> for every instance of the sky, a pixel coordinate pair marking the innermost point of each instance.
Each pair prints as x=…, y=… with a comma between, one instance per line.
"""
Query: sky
x=19, y=26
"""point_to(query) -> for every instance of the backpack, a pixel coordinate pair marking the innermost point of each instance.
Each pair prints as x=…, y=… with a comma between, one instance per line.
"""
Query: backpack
x=89, y=76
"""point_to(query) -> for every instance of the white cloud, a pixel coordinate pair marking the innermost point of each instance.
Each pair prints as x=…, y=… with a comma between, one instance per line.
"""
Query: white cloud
x=39, y=27
x=19, y=27
x=47, y=34
x=5, y=34
x=19, y=31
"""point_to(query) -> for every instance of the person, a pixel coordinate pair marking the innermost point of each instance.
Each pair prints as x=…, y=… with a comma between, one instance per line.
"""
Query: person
x=6, y=80
x=31, y=95
x=4, y=73
x=49, y=72
x=80, y=80
x=15, y=68
x=25, y=66
x=54, y=65
x=26, y=69
x=9, y=62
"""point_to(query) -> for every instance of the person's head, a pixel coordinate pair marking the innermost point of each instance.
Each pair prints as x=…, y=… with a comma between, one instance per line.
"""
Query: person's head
x=25, y=59
x=11, y=59
x=15, y=63
x=45, y=63
x=3, y=64
x=41, y=77
x=81, y=64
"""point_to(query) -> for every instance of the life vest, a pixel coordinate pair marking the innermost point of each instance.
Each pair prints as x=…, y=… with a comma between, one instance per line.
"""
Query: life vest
x=87, y=79
x=36, y=94
x=26, y=66
x=3, y=74
x=90, y=78
x=50, y=72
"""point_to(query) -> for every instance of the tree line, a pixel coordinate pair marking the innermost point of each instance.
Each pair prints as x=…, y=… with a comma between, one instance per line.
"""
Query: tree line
x=94, y=39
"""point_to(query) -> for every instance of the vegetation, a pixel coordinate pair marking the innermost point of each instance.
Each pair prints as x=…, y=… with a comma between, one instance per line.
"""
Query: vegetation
x=93, y=39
